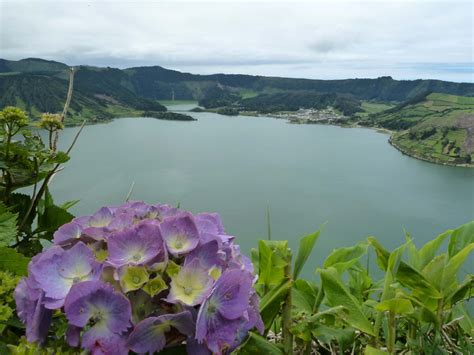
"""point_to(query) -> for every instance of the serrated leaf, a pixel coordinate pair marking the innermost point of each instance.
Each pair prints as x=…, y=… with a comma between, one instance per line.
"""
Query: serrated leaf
x=14, y=262
x=337, y=294
x=8, y=226
x=304, y=251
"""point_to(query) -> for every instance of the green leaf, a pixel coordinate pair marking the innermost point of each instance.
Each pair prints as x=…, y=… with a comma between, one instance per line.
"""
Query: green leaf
x=304, y=295
x=374, y=351
x=11, y=260
x=59, y=158
x=337, y=294
x=344, y=258
x=461, y=237
x=256, y=344
x=466, y=322
x=304, y=251
x=449, y=275
x=274, y=257
x=464, y=291
x=8, y=228
x=270, y=304
x=395, y=305
x=428, y=251
x=406, y=274
x=52, y=218
x=344, y=337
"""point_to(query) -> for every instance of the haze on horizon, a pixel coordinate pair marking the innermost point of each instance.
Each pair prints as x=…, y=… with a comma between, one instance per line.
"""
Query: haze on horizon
x=321, y=40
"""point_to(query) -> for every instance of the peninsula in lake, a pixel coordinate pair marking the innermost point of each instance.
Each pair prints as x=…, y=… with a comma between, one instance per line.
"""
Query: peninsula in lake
x=429, y=119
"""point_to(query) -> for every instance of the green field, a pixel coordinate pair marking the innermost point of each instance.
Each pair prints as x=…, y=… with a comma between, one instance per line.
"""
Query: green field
x=439, y=128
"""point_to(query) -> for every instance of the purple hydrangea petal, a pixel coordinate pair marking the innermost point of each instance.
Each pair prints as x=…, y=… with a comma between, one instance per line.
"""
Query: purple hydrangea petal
x=191, y=285
x=32, y=312
x=101, y=218
x=137, y=245
x=194, y=348
x=97, y=301
x=224, y=314
x=207, y=254
x=149, y=335
x=167, y=210
x=209, y=223
x=232, y=292
x=104, y=342
x=67, y=233
x=73, y=336
x=56, y=274
x=180, y=233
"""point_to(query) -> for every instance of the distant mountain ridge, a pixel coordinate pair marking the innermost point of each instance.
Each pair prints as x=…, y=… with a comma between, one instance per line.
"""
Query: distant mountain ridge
x=105, y=92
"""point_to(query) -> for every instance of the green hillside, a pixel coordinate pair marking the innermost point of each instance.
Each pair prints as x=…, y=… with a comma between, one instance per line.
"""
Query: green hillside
x=437, y=127
x=98, y=93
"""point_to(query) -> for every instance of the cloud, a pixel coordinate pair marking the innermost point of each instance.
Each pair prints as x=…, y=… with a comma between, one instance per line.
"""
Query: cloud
x=298, y=39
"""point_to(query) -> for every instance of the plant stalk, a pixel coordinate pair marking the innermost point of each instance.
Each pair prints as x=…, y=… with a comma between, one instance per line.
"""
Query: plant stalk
x=286, y=315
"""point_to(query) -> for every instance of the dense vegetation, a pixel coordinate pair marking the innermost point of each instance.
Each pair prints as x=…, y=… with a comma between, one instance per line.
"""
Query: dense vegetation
x=435, y=127
x=98, y=94
x=170, y=116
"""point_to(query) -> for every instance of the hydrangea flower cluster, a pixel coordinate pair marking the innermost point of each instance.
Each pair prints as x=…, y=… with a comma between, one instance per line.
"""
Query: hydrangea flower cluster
x=140, y=278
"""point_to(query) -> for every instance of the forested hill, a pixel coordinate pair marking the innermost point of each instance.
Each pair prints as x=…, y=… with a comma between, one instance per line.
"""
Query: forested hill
x=39, y=85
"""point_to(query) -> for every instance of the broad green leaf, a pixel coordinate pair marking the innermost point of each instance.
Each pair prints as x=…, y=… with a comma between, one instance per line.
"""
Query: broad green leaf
x=270, y=304
x=344, y=258
x=11, y=260
x=452, y=267
x=412, y=252
x=337, y=294
x=395, y=305
x=8, y=228
x=274, y=258
x=304, y=251
x=464, y=291
x=406, y=274
x=461, y=237
x=52, y=218
x=374, y=351
x=256, y=344
x=304, y=295
x=465, y=319
x=344, y=337
x=433, y=271
x=428, y=251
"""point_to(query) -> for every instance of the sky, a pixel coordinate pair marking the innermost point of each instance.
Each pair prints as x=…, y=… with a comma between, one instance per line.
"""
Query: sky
x=306, y=39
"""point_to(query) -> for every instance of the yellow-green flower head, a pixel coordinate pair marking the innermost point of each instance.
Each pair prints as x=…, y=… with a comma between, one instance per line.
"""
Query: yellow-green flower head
x=51, y=122
x=14, y=115
x=191, y=285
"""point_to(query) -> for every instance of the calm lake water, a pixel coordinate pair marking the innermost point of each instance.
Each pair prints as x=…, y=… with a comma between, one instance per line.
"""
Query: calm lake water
x=238, y=166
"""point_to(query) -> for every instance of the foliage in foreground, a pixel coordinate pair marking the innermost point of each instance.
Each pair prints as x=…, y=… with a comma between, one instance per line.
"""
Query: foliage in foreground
x=417, y=307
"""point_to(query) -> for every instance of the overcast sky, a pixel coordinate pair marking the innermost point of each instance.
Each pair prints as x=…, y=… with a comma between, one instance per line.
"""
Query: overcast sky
x=311, y=39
